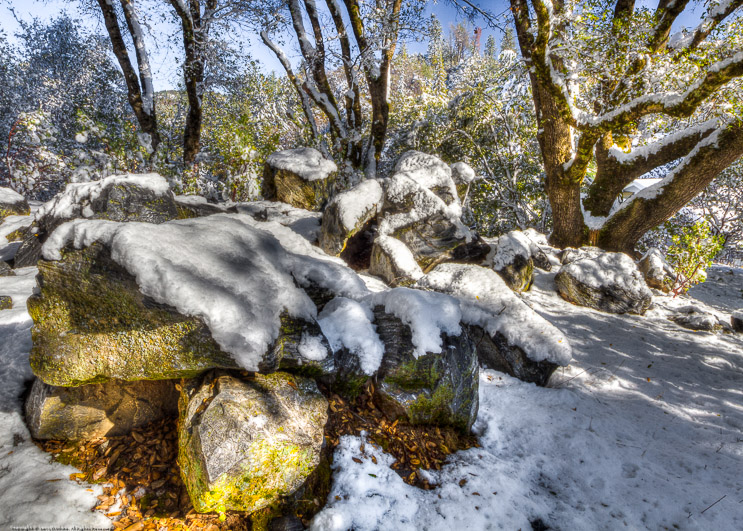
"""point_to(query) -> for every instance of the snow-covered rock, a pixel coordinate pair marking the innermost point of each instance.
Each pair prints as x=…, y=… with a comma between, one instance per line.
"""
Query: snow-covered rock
x=392, y=261
x=519, y=341
x=610, y=282
x=510, y=257
x=244, y=443
x=194, y=206
x=432, y=388
x=347, y=213
x=695, y=318
x=303, y=222
x=542, y=253
x=429, y=172
x=301, y=177
x=462, y=173
x=657, y=272
x=123, y=198
x=12, y=203
x=98, y=410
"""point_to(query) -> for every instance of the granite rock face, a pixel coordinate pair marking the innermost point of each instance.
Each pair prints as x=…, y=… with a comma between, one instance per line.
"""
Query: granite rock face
x=244, y=443
x=98, y=410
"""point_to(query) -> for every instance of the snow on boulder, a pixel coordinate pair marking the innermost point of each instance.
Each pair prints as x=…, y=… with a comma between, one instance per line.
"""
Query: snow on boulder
x=462, y=173
x=97, y=410
x=510, y=336
x=429, y=172
x=610, y=282
x=510, y=257
x=12, y=204
x=736, y=321
x=348, y=213
x=247, y=443
x=303, y=222
x=695, y=318
x=172, y=300
x=544, y=255
x=301, y=177
x=195, y=206
x=393, y=262
x=130, y=197
x=657, y=272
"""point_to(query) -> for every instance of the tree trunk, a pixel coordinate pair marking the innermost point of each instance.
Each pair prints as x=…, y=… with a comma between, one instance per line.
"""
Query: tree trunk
x=144, y=108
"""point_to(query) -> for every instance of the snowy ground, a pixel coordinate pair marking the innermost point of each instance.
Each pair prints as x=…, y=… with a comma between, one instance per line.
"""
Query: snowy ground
x=644, y=430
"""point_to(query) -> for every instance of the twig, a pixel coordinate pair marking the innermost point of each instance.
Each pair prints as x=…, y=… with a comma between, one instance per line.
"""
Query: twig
x=718, y=501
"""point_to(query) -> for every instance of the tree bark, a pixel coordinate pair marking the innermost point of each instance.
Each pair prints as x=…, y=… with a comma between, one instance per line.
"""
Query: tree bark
x=143, y=106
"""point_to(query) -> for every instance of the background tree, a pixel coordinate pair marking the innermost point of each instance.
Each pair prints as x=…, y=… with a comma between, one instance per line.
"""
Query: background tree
x=617, y=95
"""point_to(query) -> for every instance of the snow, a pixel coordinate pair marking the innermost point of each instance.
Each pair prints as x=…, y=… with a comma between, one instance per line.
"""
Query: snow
x=33, y=490
x=8, y=196
x=609, y=269
x=312, y=348
x=76, y=199
x=347, y=323
x=356, y=204
x=308, y=163
x=209, y=267
x=427, y=171
x=462, y=173
x=400, y=255
x=11, y=224
x=641, y=431
x=487, y=302
x=303, y=222
x=428, y=315
x=507, y=248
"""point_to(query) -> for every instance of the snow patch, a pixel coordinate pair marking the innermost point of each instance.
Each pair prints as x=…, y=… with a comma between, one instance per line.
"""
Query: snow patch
x=8, y=196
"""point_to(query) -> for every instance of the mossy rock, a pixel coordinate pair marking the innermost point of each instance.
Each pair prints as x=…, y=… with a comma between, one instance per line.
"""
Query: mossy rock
x=92, y=324
x=6, y=303
x=290, y=188
x=246, y=443
x=519, y=274
x=12, y=204
x=436, y=388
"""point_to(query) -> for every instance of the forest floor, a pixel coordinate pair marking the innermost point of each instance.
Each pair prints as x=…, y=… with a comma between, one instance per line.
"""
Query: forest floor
x=644, y=430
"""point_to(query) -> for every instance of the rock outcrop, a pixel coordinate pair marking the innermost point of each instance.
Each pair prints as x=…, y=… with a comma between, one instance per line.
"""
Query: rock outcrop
x=695, y=318
x=348, y=213
x=609, y=282
x=657, y=272
x=244, y=443
x=301, y=177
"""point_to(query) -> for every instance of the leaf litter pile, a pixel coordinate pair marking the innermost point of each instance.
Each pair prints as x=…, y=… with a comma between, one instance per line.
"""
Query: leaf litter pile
x=143, y=490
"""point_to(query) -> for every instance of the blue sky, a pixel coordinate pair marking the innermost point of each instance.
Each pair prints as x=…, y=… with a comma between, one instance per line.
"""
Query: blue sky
x=165, y=61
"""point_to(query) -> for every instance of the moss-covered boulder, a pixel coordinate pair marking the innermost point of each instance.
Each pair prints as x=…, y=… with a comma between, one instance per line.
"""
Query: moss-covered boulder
x=300, y=177
x=92, y=324
x=12, y=204
x=436, y=388
x=6, y=302
x=245, y=443
x=348, y=213
x=511, y=258
x=98, y=410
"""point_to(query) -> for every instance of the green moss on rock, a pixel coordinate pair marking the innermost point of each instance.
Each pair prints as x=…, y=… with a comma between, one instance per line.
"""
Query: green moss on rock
x=92, y=324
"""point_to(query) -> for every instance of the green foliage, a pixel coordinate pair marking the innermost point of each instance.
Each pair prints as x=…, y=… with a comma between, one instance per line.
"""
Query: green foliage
x=691, y=252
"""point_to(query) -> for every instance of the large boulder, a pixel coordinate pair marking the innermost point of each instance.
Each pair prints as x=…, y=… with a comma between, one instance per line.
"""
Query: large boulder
x=434, y=388
x=348, y=213
x=657, y=272
x=511, y=258
x=145, y=198
x=392, y=261
x=508, y=335
x=429, y=172
x=301, y=177
x=12, y=204
x=609, y=282
x=98, y=410
x=92, y=324
x=245, y=443
x=695, y=318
